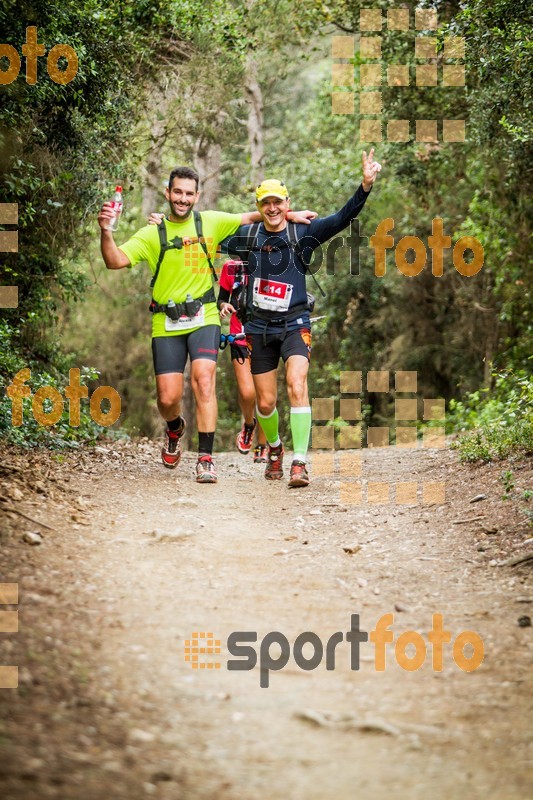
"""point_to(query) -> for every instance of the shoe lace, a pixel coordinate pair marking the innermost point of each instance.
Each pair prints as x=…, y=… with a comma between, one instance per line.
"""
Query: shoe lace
x=172, y=441
x=247, y=433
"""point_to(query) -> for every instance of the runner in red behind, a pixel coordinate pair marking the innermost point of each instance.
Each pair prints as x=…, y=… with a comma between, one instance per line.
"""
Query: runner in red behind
x=229, y=286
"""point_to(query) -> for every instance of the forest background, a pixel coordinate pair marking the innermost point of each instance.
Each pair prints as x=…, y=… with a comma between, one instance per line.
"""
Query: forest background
x=242, y=91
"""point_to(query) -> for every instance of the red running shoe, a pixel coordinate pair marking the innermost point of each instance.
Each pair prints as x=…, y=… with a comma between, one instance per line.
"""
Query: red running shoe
x=261, y=454
x=171, y=451
x=299, y=475
x=244, y=438
x=205, y=470
x=274, y=467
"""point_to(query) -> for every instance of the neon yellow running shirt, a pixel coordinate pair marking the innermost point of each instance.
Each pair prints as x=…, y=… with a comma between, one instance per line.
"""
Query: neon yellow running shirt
x=185, y=271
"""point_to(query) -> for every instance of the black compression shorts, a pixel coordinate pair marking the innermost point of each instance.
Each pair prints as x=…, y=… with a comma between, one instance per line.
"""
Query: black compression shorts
x=239, y=352
x=265, y=357
x=170, y=352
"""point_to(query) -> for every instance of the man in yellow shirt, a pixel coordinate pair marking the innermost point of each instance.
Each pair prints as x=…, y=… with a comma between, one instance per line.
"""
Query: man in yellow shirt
x=185, y=319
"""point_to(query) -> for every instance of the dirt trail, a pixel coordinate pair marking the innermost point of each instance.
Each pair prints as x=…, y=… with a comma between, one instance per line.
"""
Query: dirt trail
x=139, y=558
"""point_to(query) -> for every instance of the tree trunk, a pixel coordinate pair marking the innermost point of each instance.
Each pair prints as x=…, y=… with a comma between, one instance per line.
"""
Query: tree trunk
x=207, y=159
x=152, y=199
x=254, y=101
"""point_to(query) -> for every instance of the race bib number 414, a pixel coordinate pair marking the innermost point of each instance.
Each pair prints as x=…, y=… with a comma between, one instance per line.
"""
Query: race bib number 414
x=271, y=295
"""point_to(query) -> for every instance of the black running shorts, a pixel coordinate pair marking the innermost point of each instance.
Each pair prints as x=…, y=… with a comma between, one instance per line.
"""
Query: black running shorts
x=170, y=352
x=265, y=357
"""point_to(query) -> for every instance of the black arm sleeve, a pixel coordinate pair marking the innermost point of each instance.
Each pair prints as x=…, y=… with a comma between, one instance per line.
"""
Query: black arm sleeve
x=223, y=296
x=324, y=228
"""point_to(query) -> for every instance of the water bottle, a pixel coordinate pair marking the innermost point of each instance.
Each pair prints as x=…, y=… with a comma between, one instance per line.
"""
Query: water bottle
x=117, y=209
x=172, y=310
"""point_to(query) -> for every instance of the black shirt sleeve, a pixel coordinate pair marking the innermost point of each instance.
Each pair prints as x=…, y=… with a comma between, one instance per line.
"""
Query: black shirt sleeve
x=324, y=228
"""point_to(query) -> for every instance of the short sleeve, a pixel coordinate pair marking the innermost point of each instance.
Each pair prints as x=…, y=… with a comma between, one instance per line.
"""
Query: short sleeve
x=140, y=247
x=221, y=224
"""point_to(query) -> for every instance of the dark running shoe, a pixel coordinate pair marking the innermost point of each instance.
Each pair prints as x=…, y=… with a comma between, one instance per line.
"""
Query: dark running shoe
x=299, y=475
x=274, y=467
x=244, y=438
x=171, y=451
x=205, y=470
x=260, y=454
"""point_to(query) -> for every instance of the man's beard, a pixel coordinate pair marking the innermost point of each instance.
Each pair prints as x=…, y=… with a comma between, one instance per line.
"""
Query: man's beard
x=181, y=213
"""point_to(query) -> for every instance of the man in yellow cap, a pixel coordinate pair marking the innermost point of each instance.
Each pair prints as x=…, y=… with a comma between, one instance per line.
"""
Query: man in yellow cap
x=277, y=310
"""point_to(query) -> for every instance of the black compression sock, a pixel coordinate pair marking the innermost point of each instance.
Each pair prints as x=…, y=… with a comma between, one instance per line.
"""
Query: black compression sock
x=175, y=425
x=205, y=442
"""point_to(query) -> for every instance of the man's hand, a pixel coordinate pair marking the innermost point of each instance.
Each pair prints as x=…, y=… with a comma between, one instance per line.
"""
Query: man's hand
x=226, y=309
x=155, y=218
x=304, y=217
x=106, y=216
x=370, y=170
x=114, y=258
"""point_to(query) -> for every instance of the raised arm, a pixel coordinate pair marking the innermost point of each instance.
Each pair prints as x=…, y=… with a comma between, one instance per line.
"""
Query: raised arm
x=113, y=257
x=324, y=228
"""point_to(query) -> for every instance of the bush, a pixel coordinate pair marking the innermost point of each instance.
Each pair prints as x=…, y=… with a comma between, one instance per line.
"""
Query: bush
x=31, y=433
x=501, y=419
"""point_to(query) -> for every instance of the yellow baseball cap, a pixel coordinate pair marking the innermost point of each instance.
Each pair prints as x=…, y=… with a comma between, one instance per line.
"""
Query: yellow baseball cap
x=271, y=188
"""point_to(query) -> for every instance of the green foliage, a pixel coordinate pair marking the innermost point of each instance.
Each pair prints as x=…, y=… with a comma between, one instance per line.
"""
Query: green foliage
x=519, y=497
x=510, y=401
x=56, y=437
x=507, y=478
x=502, y=420
x=490, y=444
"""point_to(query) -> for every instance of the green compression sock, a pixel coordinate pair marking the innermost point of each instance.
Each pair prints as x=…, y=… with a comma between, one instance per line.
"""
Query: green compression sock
x=300, y=429
x=270, y=425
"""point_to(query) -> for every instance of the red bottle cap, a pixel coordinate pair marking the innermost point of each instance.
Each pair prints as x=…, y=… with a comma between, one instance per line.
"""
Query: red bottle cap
x=118, y=188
